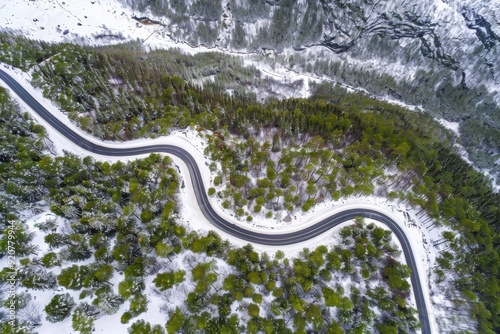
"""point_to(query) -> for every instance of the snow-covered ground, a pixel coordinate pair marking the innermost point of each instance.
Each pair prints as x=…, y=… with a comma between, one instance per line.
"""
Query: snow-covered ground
x=453, y=126
x=60, y=21
x=189, y=139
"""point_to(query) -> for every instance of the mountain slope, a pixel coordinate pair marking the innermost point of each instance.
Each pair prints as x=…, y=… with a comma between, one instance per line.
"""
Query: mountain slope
x=441, y=55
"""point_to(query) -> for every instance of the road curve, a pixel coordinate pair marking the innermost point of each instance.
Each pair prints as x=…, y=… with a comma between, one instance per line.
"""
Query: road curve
x=202, y=198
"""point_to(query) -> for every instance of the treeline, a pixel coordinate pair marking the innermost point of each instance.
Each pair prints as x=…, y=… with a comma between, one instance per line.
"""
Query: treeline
x=22, y=148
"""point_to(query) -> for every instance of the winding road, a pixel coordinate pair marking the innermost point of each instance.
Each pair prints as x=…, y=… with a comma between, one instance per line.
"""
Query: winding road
x=210, y=214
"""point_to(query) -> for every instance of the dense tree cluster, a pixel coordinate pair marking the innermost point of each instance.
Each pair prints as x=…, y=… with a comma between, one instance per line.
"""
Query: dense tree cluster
x=263, y=177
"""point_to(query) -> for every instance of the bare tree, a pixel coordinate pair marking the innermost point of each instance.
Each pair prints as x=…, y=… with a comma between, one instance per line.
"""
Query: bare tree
x=32, y=314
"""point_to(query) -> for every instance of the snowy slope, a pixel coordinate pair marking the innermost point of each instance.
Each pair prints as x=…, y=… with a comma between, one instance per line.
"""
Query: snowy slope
x=386, y=35
x=457, y=40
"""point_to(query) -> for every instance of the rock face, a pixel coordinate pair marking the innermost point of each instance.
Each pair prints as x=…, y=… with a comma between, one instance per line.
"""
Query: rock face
x=462, y=35
x=443, y=55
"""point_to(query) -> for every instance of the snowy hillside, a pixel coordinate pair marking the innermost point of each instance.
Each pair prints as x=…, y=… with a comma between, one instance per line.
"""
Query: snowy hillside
x=439, y=55
x=462, y=36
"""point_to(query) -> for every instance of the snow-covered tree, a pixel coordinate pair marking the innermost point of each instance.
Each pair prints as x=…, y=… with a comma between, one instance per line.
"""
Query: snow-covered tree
x=59, y=307
x=82, y=322
x=108, y=302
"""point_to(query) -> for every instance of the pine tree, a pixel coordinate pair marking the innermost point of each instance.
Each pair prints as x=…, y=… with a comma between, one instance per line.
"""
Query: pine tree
x=59, y=307
x=108, y=302
x=82, y=322
x=175, y=322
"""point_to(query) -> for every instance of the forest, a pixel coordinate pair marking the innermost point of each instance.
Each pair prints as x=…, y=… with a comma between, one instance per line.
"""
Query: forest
x=121, y=221
x=333, y=145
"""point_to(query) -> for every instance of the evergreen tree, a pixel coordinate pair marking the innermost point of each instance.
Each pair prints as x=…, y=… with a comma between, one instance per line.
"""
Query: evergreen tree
x=59, y=307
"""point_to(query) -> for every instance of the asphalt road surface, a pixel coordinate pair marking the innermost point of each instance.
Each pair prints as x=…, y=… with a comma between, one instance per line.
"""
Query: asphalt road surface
x=220, y=223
